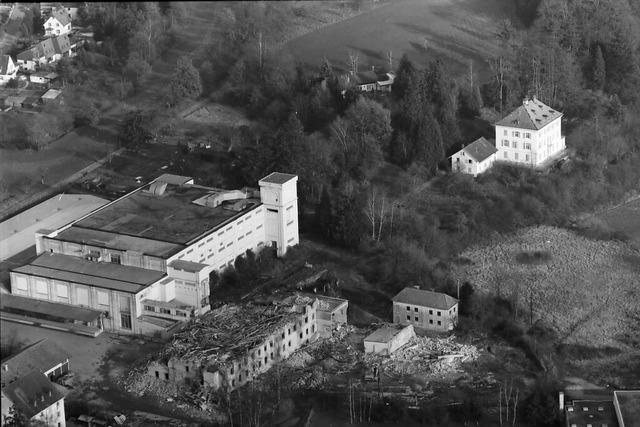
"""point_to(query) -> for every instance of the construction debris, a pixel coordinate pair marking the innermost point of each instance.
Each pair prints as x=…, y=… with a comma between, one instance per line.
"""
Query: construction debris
x=425, y=356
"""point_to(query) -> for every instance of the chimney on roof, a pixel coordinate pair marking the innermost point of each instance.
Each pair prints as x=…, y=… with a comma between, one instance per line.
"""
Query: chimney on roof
x=42, y=398
x=35, y=403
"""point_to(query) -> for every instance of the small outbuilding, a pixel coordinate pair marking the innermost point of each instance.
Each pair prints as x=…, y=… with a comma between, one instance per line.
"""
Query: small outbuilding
x=388, y=339
x=52, y=96
x=474, y=158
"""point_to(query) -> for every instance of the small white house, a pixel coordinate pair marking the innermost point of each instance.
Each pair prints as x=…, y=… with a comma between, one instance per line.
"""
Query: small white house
x=8, y=69
x=474, y=158
x=530, y=134
x=388, y=339
x=58, y=23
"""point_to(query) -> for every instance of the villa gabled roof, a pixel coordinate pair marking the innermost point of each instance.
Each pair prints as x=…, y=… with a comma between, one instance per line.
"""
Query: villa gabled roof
x=61, y=16
x=480, y=149
x=32, y=393
x=423, y=298
x=532, y=114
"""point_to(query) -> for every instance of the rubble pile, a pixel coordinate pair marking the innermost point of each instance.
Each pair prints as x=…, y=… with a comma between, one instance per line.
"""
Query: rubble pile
x=139, y=383
x=424, y=356
x=299, y=359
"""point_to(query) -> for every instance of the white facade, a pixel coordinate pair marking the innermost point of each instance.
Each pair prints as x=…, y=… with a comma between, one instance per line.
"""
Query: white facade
x=10, y=71
x=53, y=27
x=463, y=163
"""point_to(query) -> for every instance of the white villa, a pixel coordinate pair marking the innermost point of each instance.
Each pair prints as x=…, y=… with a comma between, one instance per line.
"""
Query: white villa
x=530, y=134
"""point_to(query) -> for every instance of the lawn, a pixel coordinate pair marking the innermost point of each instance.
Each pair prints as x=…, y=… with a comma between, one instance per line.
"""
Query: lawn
x=452, y=30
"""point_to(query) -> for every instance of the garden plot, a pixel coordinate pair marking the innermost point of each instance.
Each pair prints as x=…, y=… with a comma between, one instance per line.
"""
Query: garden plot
x=218, y=115
x=587, y=290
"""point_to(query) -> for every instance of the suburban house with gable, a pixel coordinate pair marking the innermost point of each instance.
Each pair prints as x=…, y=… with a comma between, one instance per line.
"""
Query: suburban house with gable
x=435, y=311
x=8, y=69
x=35, y=397
x=530, y=134
x=59, y=22
x=474, y=158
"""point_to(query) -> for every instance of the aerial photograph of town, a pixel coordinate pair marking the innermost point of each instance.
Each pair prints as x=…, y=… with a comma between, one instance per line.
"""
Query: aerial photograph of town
x=320, y=213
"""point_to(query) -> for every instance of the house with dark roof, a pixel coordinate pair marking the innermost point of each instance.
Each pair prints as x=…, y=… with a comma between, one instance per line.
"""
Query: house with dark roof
x=40, y=54
x=35, y=397
x=59, y=22
x=435, y=311
x=530, y=134
x=8, y=69
x=43, y=356
x=474, y=158
x=369, y=81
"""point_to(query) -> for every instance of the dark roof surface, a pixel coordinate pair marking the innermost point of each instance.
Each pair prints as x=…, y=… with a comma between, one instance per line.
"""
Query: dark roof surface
x=533, y=114
x=61, y=43
x=629, y=404
x=61, y=16
x=425, y=298
x=366, y=77
x=480, y=149
x=10, y=302
x=597, y=413
x=101, y=274
x=41, y=356
x=169, y=217
x=170, y=178
x=278, y=178
x=190, y=266
x=112, y=240
x=32, y=393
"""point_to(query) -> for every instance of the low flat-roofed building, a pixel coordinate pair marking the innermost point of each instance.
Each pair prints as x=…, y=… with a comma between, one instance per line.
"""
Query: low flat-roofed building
x=627, y=407
x=332, y=312
x=36, y=397
x=149, y=253
x=388, y=339
x=434, y=311
x=52, y=96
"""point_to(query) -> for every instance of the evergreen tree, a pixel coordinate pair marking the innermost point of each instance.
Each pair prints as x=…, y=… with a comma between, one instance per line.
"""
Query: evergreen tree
x=185, y=82
x=599, y=71
x=404, y=74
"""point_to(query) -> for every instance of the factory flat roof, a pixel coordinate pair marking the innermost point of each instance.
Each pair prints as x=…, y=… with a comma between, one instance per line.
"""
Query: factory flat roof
x=111, y=240
x=101, y=274
x=278, y=177
x=169, y=215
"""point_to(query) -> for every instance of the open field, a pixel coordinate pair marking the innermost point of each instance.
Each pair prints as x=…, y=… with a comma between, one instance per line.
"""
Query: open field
x=625, y=219
x=452, y=30
x=587, y=290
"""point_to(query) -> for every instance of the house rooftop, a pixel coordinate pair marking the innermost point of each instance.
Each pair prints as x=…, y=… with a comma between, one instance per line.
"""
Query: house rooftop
x=32, y=393
x=170, y=178
x=424, y=298
x=532, y=114
x=384, y=334
x=61, y=16
x=278, y=178
x=51, y=94
x=168, y=212
x=100, y=274
x=480, y=149
x=329, y=304
x=628, y=407
x=41, y=356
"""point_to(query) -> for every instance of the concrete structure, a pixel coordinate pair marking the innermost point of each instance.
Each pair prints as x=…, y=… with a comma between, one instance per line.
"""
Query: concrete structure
x=8, y=69
x=44, y=357
x=37, y=398
x=530, y=134
x=474, y=158
x=388, y=339
x=425, y=309
x=145, y=258
x=332, y=312
x=16, y=233
x=627, y=407
x=249, y=339
x=59, y=22
x=52, y=96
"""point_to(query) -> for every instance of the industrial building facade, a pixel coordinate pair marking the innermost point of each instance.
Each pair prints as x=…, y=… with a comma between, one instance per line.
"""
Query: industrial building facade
x=145, y=258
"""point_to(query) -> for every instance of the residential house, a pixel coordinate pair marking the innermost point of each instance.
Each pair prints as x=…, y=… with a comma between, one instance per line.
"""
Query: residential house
x=530, y=134
x=40, y=54
x=43, y=77
x=627, y=407
x=43, y=356
x=144, y=259
x=35, y=397
x=434, y=311
x=370, y=81
x=59, y=22
x=8, y=69
x=232, y=345
x=388, y=339
x=71, y=9
x=332, y=313
x=474, y=158
x=61, y=46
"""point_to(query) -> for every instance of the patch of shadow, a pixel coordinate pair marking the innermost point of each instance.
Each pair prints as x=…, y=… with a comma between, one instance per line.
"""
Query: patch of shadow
x=584, y=352
x=632, y=261
x=533, y=257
